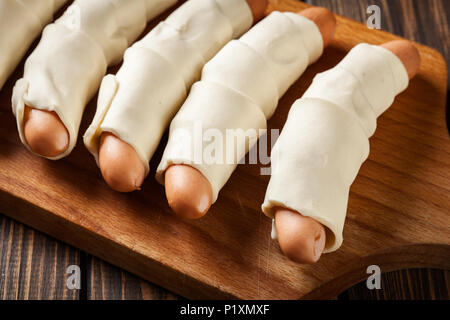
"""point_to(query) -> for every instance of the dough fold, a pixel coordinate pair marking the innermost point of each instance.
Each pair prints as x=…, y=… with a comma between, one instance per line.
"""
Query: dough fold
x=326, y=137
x=138, y=103
x=21, y=21
x=65, y=70
x=227, y=110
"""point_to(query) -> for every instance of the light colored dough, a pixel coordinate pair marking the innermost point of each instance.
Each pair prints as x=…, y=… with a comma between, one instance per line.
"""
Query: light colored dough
x=138, y=103
x=240, y=89
x=326, y=137
x=66, y=68
x=21, y=21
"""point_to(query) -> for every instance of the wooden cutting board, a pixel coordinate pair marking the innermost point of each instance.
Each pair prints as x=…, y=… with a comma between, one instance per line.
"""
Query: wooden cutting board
x=398, y=215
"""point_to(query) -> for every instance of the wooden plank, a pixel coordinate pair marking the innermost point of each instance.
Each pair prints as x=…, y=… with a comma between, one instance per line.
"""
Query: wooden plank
x=106, y=282
x=32, y=265
x=411, y=284
x=398, y=207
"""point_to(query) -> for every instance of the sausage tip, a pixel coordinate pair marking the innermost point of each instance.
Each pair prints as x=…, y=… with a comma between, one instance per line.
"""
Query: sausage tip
x=407, y=53
x=45, y=133
x=188, y=192
x=258, y=8
x=120, y=164
x=302, y=239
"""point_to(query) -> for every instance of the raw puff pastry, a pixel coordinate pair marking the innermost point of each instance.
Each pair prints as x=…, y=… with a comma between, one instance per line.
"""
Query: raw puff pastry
x=66, y=69
x=240, y=89
x=138, y=103
x=21, y=21
x=326, y=137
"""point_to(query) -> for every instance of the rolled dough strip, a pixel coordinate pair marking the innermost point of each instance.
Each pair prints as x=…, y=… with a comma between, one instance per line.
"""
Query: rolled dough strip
x=137, y=104
x=240, y=89
x=21, y=21
x=326, y=137
x=66, y=69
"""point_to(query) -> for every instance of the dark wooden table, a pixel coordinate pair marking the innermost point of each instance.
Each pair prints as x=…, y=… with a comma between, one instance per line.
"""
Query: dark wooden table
x=33, y=265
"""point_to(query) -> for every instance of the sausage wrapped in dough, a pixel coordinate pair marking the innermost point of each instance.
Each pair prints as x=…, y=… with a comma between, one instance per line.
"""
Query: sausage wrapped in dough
x=21, y=21
x=326, y=137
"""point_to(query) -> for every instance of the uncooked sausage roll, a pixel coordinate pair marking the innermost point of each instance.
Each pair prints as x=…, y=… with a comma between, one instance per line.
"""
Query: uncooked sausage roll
x=137, y=104
x=67, y=67
x=326, y=137
x=21, y=21
x=239, y=90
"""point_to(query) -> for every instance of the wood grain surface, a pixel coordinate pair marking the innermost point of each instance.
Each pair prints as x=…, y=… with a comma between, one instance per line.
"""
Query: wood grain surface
x=105, y=281
x=33, y=266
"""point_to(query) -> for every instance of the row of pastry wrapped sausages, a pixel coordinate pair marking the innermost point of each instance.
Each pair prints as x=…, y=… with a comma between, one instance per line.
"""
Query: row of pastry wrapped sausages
x=189, y=70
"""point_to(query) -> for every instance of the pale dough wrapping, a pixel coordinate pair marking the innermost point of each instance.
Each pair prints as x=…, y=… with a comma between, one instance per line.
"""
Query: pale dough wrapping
x=326, y=137
x=138, y=103
x=240, y=89
x=65, y=70
x=21, y=21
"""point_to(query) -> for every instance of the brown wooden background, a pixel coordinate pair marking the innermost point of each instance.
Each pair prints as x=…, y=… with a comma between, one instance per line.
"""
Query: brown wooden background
x=33, y=265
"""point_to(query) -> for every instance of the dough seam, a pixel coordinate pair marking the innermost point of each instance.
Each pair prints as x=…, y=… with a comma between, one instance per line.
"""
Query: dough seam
x=363, y=94
x=219, y=8
x=313, y=25
x=305, y=47
x=172, y=65
x=349, y=113
x=268, y=69
x=104, y=110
